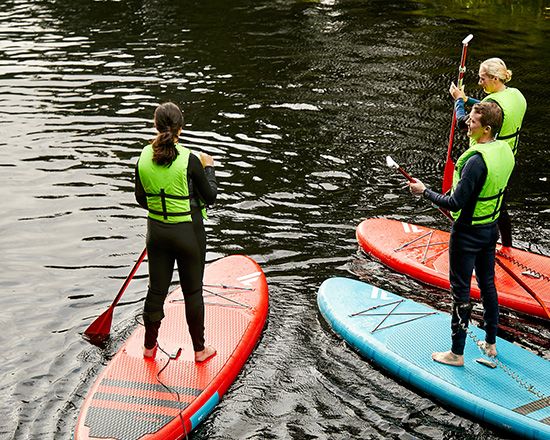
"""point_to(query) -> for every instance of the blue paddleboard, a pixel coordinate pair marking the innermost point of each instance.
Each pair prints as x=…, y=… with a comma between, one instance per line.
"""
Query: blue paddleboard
x=400, y=335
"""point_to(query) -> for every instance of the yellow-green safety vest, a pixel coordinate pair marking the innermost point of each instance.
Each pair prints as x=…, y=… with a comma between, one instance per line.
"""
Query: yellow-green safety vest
x=166, y=186
x=513, y=106
x=499, y=160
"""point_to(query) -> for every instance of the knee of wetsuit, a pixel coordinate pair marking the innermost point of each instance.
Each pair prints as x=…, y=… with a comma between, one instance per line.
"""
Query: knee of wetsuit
x=153, y=317
x=153, y=310
x=198, y=290
x=461, y=294
x=151, y=325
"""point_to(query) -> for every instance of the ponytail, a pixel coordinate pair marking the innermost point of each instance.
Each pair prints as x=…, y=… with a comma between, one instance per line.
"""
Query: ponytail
x=168, y=122
x=496, y=67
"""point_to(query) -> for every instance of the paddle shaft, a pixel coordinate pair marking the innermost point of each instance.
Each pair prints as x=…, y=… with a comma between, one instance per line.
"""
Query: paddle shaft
x=412, y=180
x=130, y=277
x=407, y=175
x=449, y=166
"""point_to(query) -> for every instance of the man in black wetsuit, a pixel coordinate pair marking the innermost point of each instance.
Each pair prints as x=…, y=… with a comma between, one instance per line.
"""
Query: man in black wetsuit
x=480, y=178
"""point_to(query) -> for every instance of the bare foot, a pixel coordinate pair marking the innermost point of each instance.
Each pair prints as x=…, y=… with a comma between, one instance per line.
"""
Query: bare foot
x=149, y=353
x=489, y=349
x=448, y=358
x=207, y=353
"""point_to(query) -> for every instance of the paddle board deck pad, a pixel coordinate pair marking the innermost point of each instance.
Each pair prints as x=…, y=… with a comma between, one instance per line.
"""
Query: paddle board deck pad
x=422, y=253
x=399, y=335
x=136, y=398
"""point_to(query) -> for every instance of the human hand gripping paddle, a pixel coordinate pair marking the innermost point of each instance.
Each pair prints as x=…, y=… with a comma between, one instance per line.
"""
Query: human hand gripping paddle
x=393, y=164
x=449, y=165
x=206, y=159
x=99, y=330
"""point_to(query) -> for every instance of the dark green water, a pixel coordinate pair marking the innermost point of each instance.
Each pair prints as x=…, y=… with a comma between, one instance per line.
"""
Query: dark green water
x=299, y=103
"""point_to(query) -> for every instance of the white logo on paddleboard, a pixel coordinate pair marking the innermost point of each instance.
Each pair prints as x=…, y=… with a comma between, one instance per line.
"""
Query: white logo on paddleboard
x=375, y=292
x=410, y=228
x=249, y=279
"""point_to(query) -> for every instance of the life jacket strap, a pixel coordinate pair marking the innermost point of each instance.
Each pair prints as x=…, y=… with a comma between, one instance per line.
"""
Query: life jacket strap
x=496, y=196
x=496, y=211
x=163, y=196
x=171, y=214
x=168, y=196
x=510, y=136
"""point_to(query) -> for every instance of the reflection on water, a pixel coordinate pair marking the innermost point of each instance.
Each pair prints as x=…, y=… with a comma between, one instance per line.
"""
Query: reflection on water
x=299, y=102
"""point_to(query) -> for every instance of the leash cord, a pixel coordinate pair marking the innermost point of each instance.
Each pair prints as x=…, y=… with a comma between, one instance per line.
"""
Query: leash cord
x=170, y=390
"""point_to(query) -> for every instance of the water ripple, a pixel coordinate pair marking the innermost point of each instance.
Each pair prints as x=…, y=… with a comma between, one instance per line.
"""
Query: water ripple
x=299, y=103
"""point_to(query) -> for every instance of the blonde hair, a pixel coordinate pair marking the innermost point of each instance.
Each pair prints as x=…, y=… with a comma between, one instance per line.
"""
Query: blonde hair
x=496, y=67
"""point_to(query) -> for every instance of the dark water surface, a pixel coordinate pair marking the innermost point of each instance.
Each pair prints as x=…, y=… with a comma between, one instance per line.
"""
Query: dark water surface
x=299, y=102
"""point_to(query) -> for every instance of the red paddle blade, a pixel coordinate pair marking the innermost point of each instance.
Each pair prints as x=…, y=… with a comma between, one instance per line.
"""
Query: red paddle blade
x=99, y=330
x=448, y=176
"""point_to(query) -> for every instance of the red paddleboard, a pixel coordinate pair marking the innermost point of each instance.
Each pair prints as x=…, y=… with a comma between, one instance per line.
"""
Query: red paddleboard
x=168, y=396
x=422, y=253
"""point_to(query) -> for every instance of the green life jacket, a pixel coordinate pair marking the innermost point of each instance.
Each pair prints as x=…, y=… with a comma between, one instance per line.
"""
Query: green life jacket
x=513, y=106
x=166, y=187
x=499, y=161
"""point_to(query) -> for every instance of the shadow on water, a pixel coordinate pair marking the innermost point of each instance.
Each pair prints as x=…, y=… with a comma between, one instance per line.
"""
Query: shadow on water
x=299, y=102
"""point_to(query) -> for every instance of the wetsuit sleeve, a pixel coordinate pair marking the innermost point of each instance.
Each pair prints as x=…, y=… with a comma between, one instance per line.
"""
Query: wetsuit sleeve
x=461, y=115
x=469, y=186
x=139, y=191
x=203, y=180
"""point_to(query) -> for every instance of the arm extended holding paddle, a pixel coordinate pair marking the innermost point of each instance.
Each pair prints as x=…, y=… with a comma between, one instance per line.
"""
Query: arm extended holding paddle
x=415, y=185
x=393, y=164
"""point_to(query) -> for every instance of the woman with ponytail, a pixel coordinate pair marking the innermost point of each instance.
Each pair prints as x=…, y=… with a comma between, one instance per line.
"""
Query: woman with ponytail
x=493, y=77
x=175, y=186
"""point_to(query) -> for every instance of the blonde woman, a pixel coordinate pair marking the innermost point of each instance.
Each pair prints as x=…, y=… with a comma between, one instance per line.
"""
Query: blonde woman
x=493, y=77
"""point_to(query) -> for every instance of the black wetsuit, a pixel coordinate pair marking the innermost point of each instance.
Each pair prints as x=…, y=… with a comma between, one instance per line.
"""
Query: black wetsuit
x=185, y=243
x=470, y=246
